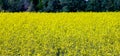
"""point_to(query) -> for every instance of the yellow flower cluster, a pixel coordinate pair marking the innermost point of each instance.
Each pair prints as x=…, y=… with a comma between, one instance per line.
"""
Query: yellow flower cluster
x=60, y=34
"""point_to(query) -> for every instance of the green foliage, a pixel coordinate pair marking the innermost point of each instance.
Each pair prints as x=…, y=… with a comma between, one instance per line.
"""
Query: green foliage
x=0, y=5
x=117, y=5
x=0, y=2
x=61, y=5
x=40, y=5
x=11, y=5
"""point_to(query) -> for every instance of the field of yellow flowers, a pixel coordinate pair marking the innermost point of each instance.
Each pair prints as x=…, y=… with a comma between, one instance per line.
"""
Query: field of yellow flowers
x=60, y=34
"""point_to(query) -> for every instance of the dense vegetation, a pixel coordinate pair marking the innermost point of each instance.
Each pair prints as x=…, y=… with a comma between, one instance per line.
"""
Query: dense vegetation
x=60, y=34
x=59, y=5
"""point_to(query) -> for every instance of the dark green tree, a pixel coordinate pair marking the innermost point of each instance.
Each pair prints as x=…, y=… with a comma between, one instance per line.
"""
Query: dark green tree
x=1, y=5
x=59, y=5
x=108, y=5
x=116, y=5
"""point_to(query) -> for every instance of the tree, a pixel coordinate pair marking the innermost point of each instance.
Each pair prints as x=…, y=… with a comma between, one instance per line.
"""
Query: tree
x=15, y=5
x=108, y=5
x=59, y=5
x=117, y=5
x=0, y=5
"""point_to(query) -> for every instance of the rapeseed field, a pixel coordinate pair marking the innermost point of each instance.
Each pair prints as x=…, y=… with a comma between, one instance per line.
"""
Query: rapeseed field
x=60, y=34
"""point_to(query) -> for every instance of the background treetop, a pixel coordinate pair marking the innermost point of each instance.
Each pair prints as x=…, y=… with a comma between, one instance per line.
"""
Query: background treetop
x=59, y=5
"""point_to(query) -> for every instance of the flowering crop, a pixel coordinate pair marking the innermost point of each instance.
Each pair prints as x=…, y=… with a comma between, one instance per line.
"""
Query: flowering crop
x=60, y=34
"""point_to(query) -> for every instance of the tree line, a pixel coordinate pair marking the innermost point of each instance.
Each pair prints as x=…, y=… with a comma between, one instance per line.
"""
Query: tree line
x=59, y=5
